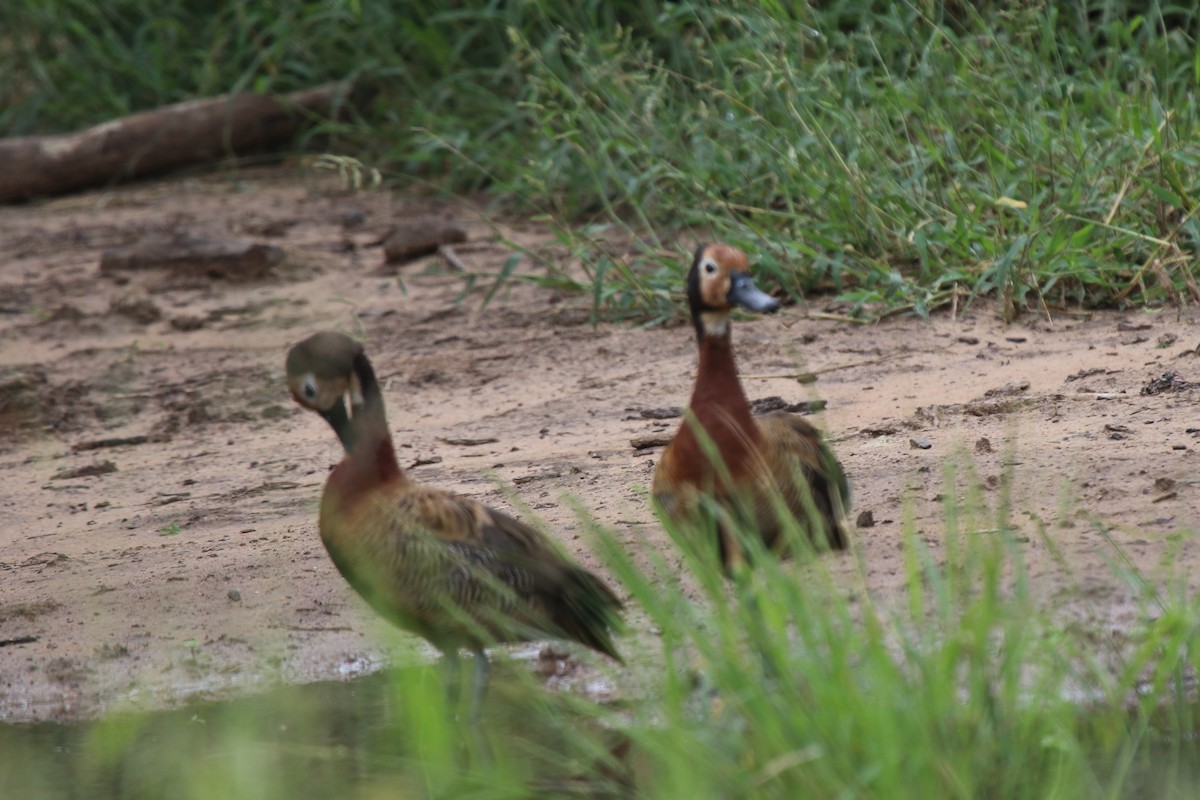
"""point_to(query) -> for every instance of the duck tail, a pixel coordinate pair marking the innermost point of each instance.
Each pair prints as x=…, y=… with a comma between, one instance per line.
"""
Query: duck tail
x=839, y=519
x=837, y=495
x=588, y=612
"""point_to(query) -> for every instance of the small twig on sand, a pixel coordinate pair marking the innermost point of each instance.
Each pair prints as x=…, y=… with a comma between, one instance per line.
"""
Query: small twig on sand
x=467, y=441
x=451, y=258
x=825, y=315
x=96, y=444
x=18, y=640
x=314, y=629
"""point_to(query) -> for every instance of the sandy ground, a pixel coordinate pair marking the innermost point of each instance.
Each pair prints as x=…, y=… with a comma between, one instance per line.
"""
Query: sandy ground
x=188, y=564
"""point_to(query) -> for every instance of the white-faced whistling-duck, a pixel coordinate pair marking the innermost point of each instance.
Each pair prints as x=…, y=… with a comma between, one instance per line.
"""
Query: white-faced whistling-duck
x=434, y=563
x=763, y=464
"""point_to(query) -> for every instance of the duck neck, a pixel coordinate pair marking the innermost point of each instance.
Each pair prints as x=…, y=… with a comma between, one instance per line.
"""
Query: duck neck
x=372, y=454
x=718, y=402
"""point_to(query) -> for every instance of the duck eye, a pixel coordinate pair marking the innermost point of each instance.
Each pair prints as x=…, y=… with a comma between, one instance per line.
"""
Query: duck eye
x=309, y=389
x=710, y=268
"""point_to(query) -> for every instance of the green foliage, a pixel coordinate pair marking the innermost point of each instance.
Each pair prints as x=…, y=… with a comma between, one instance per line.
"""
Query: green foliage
x=899, y=154
x=793, y=681
x=963, y=684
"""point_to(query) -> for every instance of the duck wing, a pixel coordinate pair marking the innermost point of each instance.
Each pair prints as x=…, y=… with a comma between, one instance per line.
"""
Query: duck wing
x=800, y=465
x=461, y=573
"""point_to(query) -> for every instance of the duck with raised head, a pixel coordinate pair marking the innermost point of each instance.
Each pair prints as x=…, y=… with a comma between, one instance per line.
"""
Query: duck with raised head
x=442, y=566
x=727, y=468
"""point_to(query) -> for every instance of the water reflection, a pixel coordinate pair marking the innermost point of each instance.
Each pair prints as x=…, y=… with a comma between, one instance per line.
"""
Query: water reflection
x=389, y=735
x=385, y=735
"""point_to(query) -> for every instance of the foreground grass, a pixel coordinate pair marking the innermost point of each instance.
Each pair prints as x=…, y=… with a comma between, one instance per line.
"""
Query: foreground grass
x=798, y=683
x=904, y=156
x=963, y=685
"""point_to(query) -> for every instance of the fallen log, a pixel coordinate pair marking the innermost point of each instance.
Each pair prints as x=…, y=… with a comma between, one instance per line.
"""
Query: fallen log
x=646, y=441
x=193, y=132
x=184, y=251
x=418, y=237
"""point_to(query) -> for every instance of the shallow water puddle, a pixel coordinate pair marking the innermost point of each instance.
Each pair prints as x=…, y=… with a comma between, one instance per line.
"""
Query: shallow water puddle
x=386, y=734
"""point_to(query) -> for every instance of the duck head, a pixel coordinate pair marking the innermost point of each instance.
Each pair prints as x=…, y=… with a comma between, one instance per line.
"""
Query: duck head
x=718, y=282
x=320, y=373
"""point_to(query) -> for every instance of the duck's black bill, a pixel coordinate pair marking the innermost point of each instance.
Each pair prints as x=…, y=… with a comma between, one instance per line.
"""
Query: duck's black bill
x=744, y=293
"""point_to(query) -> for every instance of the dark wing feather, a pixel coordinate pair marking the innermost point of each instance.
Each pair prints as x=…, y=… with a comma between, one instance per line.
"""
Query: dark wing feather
x=796, y=456
x=576, y=603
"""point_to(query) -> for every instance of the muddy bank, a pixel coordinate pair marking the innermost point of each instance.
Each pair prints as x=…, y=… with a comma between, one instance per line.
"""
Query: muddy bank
x=159, y=488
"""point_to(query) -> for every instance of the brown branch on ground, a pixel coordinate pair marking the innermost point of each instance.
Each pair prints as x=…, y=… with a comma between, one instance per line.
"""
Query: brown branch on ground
x=150, y=142
x=420, y=236
x=191, y=253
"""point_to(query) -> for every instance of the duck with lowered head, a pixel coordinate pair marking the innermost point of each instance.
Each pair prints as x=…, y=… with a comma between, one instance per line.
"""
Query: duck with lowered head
x=437, y=564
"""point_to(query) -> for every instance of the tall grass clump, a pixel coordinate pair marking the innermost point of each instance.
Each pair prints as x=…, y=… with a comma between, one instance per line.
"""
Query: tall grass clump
x=801, y=682
x=902, y=154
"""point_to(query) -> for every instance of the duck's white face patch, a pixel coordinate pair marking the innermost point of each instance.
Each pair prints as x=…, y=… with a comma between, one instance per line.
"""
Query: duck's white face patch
x=714, y=283
x=716, y=323
x=308, y=387
x=311, y=392
x=356, y=395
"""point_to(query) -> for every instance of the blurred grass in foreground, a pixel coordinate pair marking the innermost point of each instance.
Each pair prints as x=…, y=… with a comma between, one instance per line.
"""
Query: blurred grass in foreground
x=799, y=683
x=903, y=155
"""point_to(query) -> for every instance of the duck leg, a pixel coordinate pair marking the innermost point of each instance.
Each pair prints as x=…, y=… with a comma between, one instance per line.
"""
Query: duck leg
x=760, y=638
x=480, y=749
x=479, y=683
x=453, y=677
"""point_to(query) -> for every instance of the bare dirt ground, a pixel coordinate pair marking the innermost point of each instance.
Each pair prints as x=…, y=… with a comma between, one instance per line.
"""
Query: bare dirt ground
x=186, y=562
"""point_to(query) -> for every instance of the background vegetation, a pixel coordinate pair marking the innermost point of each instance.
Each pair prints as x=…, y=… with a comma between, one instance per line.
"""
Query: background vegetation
x=1042, y=154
